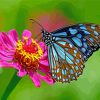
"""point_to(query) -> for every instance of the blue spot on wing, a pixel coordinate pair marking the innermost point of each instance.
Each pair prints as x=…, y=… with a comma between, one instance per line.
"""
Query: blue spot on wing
x=54, y=54
x=60, y=50
x=86, y=32
x=83, y=49
x=83, y=27
x=70, y=56
x=64, y=72
x=77, y=60
x=91, y=39
x=60, y=34
x=62, y=42
x=72, y=31
x=61, y=53
x=96, y=33
x=77, y=41
x=71, y=71
x=92, y=27
x=85, y=44
x=68, y=60
x=76, y=67
x=51, y=60
x=75, y=51
x=79, y=35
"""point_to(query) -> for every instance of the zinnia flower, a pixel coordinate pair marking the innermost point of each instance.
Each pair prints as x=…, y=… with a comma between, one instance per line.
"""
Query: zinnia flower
x=26, y=55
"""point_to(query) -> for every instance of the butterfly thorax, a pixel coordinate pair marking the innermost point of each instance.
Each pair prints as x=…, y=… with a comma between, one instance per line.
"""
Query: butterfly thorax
x=47, y=37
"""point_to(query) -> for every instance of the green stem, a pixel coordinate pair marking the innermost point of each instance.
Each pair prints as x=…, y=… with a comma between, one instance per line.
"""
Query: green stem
x=12, y=84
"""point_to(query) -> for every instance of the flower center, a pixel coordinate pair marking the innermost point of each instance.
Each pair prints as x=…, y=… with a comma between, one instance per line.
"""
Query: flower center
x=28, y=55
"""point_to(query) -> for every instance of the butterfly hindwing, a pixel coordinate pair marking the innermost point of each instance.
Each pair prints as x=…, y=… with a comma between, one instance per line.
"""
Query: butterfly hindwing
x=65, y=62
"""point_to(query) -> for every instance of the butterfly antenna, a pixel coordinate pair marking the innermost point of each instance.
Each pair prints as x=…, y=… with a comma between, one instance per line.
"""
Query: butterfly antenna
x=34, y=21
x=37, y=36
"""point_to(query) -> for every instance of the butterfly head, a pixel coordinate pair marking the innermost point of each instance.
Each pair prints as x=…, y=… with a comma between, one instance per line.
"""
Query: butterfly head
x=47, y=37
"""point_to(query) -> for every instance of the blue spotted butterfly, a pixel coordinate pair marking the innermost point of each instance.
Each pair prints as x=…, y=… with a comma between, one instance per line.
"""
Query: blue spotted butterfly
x=69, y=48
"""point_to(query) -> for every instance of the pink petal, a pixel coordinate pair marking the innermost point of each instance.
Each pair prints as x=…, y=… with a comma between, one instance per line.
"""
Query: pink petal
x=16, y=65
x=44, y=62
x=13, y=35
x=6, y=58
x=5, y=40
x=44, y=56
x=7, y=64
x=35, y=78
x=42, y=45
x=5, y=48
x=6, y=53
x=44, y=69
x=26, y=33
x=21, y=72
x=47, y=79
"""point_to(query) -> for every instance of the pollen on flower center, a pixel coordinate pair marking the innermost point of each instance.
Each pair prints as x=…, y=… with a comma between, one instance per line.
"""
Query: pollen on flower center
x=28, y=55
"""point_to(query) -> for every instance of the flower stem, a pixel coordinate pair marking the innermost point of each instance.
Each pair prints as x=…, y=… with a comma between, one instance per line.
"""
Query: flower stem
x=12, y=84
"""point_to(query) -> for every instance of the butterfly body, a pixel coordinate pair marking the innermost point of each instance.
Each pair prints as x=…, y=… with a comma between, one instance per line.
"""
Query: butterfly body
x=69, y=48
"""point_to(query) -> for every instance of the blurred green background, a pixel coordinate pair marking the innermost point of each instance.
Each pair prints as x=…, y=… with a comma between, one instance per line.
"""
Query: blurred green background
x=16, y=14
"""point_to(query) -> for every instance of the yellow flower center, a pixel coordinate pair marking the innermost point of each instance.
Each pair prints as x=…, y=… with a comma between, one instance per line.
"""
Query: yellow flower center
x=28, y=55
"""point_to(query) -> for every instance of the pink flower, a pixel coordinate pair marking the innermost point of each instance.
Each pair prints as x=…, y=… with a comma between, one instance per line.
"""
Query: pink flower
x=25, y=55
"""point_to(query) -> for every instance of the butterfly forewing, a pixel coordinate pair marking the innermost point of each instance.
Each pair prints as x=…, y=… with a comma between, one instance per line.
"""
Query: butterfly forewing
x=85, y=37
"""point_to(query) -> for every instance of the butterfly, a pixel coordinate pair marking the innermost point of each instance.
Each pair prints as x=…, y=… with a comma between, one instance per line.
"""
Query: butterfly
x=69, y=48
